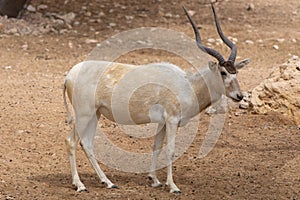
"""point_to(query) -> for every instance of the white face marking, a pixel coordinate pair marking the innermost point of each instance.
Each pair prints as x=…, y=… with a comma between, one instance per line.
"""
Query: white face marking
x=229, y=78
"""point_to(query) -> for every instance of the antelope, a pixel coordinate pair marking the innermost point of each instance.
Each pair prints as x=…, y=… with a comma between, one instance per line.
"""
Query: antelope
x=90, y=88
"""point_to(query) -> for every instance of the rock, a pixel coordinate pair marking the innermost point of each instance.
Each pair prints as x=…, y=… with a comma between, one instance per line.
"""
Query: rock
x=294, y=57
x=168, y=15
x=91, y=41
x=249, y=42
x=112, y=24
x=250, y=6
x=42, y=7
x=88, y=14
x=211, y=40
x=101, y=14
x=69, y=17
x=280, y=92
x=244, y=104
x=233, y=39
x=24, y=47
x=12, y=31
x=129, y=17
x=31, y=8
x=191, y=12
x=276, y=47
x=280, y=40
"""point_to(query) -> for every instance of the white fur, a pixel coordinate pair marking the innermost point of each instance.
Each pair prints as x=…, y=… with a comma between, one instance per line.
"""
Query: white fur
x=92, y=85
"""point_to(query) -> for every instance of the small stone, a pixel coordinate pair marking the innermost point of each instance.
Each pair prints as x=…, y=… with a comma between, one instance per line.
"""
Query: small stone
x=70, y=44
x=276, y=47
x=101, y=14
x=280, y=40
x=76, y=23
x=233, y=39
x=294, y=40
x=24, y=47
x=69, y=17
x=88, y=14
x=12, y=31
x=211, y=40
x=112, y=24
x=91, y=41
x=294, y=57
x=219, y=41
x=244, y=105
x=249, y=42
x=31, y=8
x=168, y=15
x=129, y=17
x=191, y=12
x=42, y=7
x=250, y=6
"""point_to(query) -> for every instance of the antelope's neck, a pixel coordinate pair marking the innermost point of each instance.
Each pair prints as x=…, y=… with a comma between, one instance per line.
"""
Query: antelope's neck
x=204, y=90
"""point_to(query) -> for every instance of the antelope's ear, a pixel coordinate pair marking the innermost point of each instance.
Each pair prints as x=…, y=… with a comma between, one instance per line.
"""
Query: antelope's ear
x=213, y=66
x=241, y=64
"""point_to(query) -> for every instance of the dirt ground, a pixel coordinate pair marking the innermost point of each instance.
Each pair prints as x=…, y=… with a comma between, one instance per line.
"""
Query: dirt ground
x=256, y=157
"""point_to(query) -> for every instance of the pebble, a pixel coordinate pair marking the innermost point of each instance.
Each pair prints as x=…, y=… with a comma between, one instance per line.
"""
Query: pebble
x=280, y=40
x=294, y=40
x=24, y=47
x=243, y=105
x=88, y=14
x=101, y=14
x=249, y=42
x=12, y=31
x=276, y=47
x=250, y=6
x=91, y=41
x=233, y=39
x=191, y=12
x=31, y=8
x=112, y=24
x=42, y=7
x=294, y=57
x=211, y=40
x=129, y=17
x=69, y=17
x=168, y=15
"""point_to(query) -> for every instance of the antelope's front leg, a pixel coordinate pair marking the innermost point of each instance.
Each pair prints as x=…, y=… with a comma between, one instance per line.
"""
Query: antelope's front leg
x=171, y=129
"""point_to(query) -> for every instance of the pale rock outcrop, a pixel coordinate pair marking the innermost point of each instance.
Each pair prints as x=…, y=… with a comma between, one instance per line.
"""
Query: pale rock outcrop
x=280, y=92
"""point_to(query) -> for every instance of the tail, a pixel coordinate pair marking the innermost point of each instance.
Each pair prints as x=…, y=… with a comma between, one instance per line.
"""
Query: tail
x=66, y=104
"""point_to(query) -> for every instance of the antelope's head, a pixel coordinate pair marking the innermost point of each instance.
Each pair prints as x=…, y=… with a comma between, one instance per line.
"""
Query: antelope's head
x=227, y=68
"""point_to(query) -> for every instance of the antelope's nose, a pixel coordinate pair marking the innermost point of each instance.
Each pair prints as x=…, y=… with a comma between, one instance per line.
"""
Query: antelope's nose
x=240, y=96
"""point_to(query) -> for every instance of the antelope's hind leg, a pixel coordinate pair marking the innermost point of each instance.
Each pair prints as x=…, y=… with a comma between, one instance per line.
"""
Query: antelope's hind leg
x=71, y=143
x=171, y=130
x=89, y=126
x=157, y=148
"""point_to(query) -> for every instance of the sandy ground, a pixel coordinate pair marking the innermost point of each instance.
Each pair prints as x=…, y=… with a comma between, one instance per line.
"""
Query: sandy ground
x=256, y=157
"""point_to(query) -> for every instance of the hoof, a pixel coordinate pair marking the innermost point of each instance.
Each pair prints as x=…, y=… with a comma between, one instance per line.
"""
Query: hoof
x=175, y=192
x=83, y=190
x=113, y=187
x=156, y=185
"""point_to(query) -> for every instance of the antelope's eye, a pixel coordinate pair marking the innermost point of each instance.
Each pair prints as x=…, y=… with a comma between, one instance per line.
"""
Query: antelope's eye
x=223, y=73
